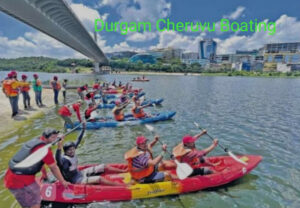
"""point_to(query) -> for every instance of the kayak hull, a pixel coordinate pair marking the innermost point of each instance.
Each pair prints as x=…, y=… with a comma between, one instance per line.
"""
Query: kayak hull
x=227, y=171
x=111, y=105
x=129, y=121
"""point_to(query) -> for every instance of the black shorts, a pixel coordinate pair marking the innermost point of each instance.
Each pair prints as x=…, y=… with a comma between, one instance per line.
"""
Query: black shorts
x=201, y=171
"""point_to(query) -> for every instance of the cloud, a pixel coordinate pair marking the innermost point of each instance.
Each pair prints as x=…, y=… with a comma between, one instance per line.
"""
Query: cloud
x=139, y=10
x=177, y=40
x=34, y=44
x=141, y=37
x=287, y=30
x=87, y=15
x=236, y=14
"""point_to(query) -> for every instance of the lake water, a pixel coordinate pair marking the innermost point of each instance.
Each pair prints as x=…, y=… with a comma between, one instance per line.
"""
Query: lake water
x=248, y=115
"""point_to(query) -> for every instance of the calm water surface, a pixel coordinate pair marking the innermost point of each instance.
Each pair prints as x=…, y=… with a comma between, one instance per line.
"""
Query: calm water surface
x=248, y=115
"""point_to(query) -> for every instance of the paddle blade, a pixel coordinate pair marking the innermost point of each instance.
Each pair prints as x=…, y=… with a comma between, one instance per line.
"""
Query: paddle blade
x=94, y=115
x=196, y=124
x=34, y=158
x=236, y=158
x=149, y=127
x=183, y=170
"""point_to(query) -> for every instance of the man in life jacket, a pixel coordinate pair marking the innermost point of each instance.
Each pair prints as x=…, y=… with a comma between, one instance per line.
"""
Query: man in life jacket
x=118, y=110
x=96, y=85
x=37, y=88
x=68, y=164
x=65, y=112
x=89, y=97
x=80, y=91
x=186, y=152
x=87, y=113
x=11, y=87
x=25, y=92
x=21, y=181
x=141, y=164
x=138, y=109
x=55, y=85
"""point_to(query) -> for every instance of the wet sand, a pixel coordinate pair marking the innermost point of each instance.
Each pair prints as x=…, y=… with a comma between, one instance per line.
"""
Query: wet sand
x=8, y=125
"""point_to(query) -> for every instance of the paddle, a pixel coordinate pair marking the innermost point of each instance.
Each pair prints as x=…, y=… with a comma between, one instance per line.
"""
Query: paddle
x=225, y=149
x=183, y=170
x=38, y=155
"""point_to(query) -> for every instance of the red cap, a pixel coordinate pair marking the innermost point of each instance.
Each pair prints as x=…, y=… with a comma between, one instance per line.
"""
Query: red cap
x=14, y=73
x=188, y=139
x=24, y=76
x=35, y=75
x=141, y=140
x=124, y=92
x=55, y=77
x=117, y=102
x=9, y=75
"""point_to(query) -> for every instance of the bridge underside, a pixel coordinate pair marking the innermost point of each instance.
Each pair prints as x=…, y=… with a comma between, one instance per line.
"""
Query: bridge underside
x=56, y=19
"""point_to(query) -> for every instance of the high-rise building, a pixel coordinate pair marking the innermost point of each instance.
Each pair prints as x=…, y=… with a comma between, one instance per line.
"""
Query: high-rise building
x=207, y=49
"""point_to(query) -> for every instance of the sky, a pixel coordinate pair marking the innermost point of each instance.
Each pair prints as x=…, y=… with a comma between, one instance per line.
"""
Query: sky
x=18, y=39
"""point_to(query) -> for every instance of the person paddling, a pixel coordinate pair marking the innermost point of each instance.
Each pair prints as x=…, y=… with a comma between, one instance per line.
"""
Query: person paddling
x=137, y=109
x=80, y=91
x=186, y=152
x=141, y=163
x=68, y=164
x=21, y=181
x=118, y=110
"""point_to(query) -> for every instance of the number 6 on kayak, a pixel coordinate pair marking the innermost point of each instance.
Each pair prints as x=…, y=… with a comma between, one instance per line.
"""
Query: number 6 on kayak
x=183, y=170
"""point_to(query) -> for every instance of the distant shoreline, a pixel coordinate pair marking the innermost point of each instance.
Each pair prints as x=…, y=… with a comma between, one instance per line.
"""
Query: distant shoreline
x=223, y=74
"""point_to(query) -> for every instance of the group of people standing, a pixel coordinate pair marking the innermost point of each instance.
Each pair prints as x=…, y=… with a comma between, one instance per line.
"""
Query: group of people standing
x=12, y=87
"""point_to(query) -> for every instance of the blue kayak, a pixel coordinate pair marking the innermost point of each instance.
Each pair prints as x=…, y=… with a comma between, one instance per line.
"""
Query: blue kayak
x=118, y=96
x=129, y=121
x=111, y=105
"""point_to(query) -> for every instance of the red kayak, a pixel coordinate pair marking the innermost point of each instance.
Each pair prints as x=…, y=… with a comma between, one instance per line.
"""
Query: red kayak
x=226, y=170
x=140, y=80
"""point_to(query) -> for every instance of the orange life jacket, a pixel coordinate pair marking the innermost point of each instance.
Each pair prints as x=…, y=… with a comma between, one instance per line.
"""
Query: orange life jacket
x=138, y=173
x=57, y=85
x=9, y=90
x=25, y=88
x=118, y=116
x=139, y=114
x=180, y=151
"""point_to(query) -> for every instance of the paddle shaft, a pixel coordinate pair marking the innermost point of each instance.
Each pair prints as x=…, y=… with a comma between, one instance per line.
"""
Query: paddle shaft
x=221, y=146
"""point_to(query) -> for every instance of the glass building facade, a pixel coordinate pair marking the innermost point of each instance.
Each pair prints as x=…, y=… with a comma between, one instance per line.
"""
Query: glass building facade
x=207, y=49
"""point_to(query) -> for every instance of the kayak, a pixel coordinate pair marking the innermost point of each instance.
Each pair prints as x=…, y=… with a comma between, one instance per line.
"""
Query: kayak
x=129, y=121
x=113, y=96
x=226, y=171
x=140, y=80
x=150, y=102
x=118, y=91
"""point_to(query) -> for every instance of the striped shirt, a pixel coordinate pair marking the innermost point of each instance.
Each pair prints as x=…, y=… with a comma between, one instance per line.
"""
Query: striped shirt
x=141, y=161
x=193, y=154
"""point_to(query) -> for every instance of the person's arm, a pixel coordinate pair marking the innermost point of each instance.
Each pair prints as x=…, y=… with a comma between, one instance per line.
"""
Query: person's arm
x=56, y=172
x=79, y=138
x=159, y=158
x=211, y=147
x=156, y=138
x=78, y=114
x=197, y=136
